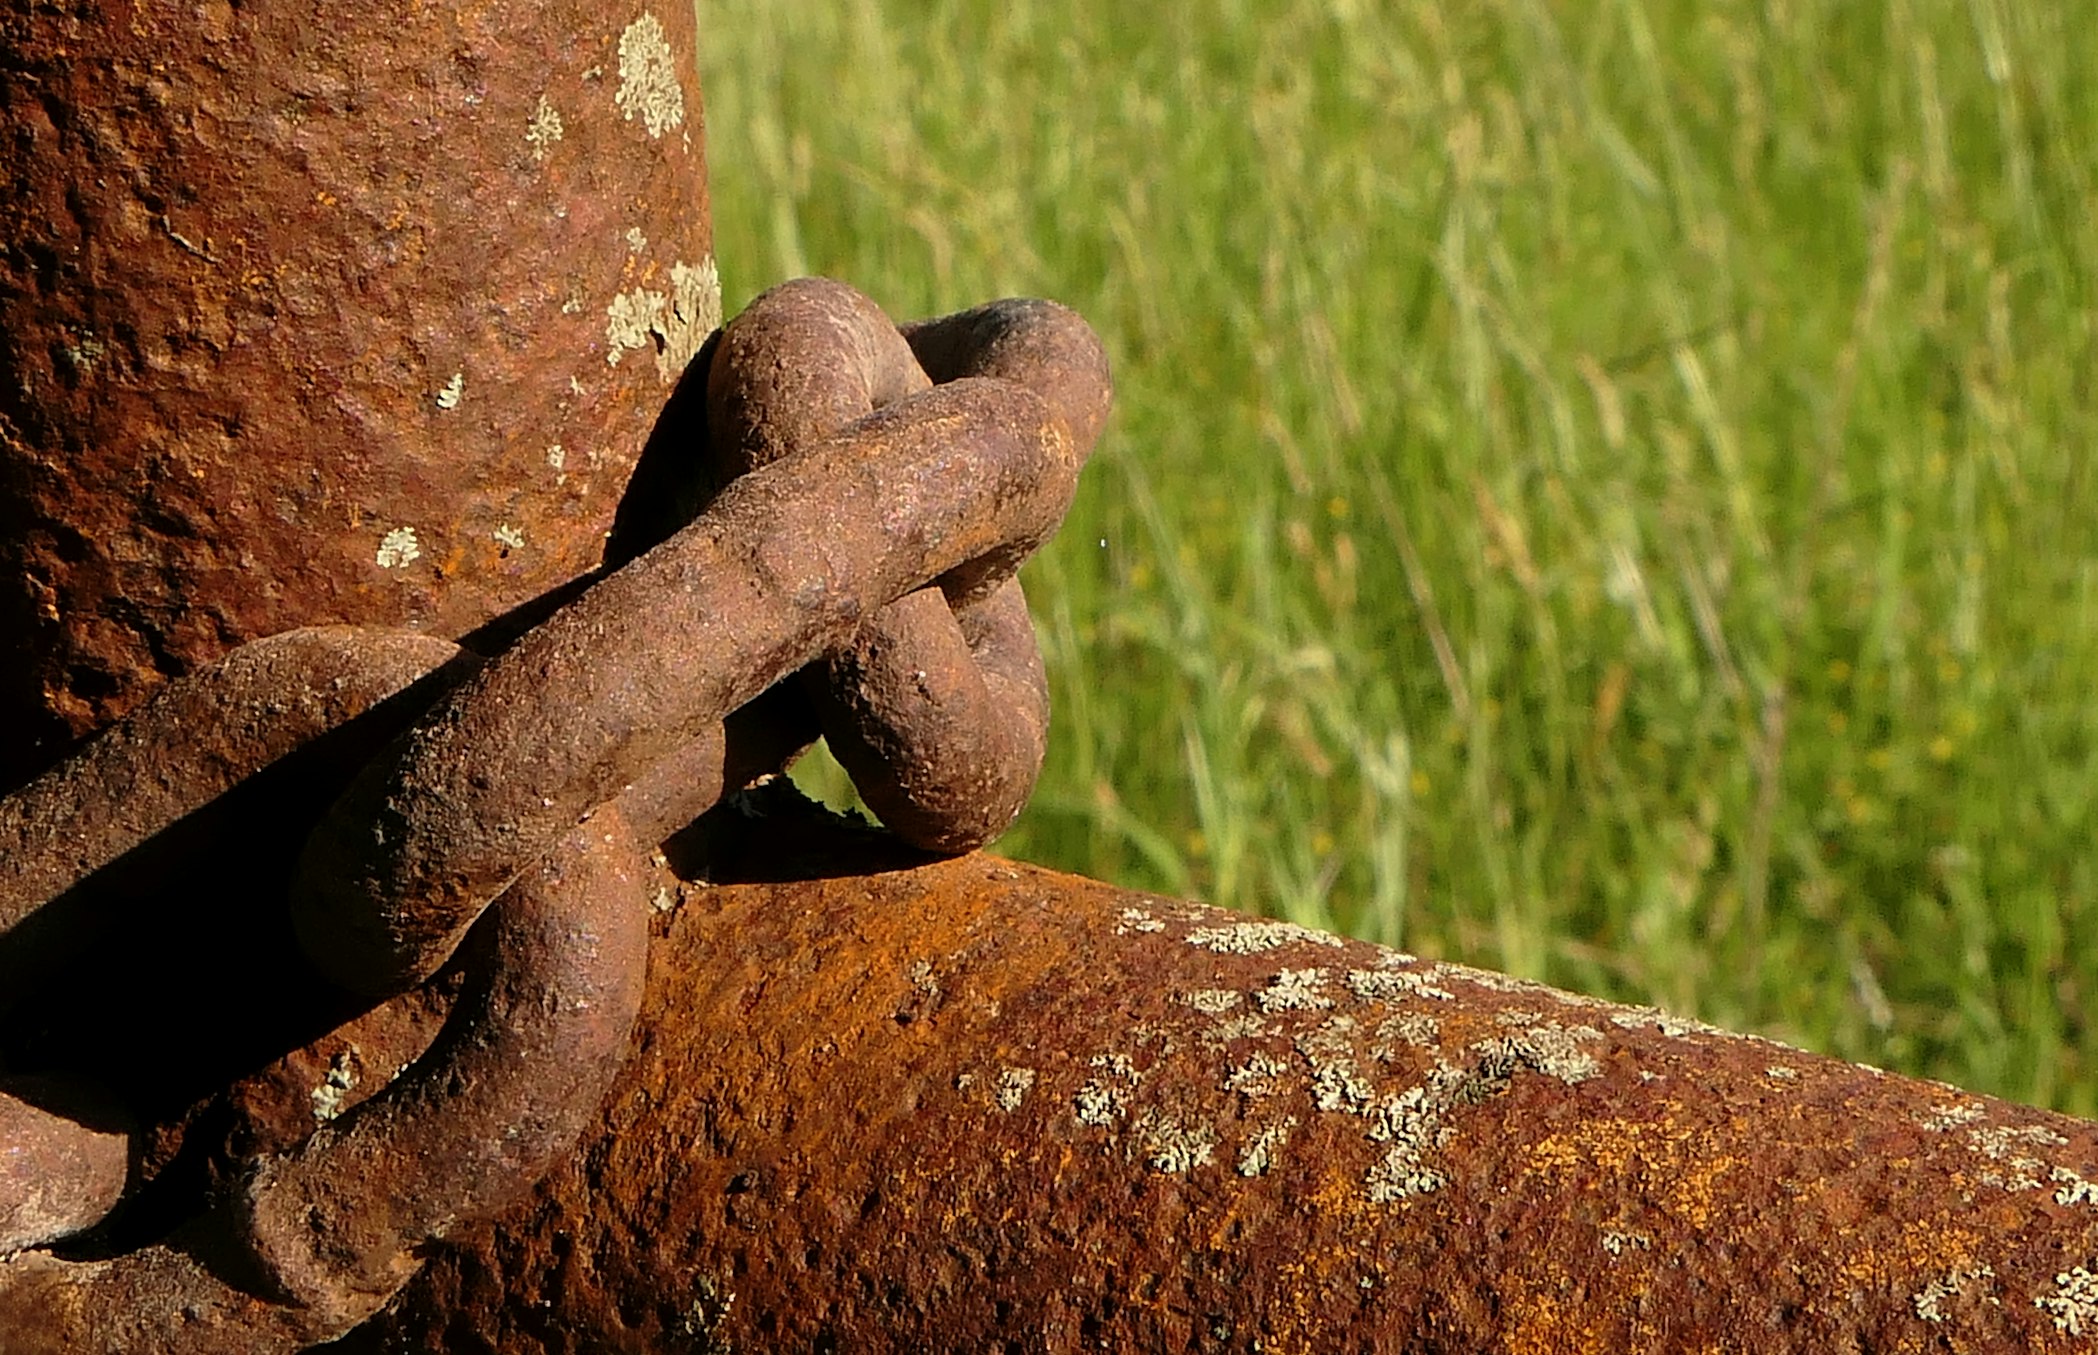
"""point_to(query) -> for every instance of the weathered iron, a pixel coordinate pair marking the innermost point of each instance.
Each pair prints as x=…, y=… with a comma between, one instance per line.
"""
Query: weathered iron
x=954, y=485
x=369, y=321
x=949, y=484
x=357, y=316
x=880, y=1104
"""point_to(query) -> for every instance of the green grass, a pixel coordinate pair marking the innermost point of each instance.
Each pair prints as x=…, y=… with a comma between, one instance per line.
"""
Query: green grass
x=1601, y=490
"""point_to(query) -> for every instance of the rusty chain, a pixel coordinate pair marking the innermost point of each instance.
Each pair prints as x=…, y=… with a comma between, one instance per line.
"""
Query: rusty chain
x=874, y=491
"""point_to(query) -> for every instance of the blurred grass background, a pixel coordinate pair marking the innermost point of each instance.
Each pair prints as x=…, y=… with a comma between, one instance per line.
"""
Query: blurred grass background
x=1601, y=490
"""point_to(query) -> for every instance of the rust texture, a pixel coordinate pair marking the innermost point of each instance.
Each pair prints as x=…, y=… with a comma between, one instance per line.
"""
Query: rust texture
x=938, y=709
x=555, y=981
x=950, y=485
x=303, y=1245
x=975, y=1105
x=357, y=316
x=198, y=740
x=371, y=318
x=331, y=1231
x=64, y=1160
x=947, y=487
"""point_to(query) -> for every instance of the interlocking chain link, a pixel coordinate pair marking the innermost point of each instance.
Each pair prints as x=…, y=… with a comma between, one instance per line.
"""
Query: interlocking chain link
x=875, y=491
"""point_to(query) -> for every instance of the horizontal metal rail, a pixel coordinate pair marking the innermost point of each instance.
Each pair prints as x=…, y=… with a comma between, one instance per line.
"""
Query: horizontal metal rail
x=977, y=1105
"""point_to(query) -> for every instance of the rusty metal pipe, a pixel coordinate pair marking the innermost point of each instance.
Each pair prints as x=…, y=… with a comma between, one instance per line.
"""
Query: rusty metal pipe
x=355, y=316
x=978, y=1105
x=65, y=1156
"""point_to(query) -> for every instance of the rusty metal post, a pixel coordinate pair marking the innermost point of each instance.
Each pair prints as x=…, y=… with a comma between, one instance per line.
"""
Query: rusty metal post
x=367, y=319
x=316, y=315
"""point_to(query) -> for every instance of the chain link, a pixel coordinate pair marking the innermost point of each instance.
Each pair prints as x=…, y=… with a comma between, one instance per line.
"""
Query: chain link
x=874, y=492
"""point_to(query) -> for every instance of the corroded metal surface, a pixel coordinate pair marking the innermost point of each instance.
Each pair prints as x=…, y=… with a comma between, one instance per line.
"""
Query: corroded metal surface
x=64, y=1160
x=938, y=707
x=603, y=730
x=362, y=316
x=369, y=320
x=315, y=1241
x=950, y=485
x=976, y=1105
x=199, y=739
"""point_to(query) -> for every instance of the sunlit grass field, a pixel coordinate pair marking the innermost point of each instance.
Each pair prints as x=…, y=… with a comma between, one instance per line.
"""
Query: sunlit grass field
x=1601, y=489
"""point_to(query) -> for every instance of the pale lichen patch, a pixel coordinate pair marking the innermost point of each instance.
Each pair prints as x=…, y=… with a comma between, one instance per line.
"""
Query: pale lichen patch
x=1951, y=1115
x=2013, y=1149
x=1240, y=1026
x=1617, y=1243
x=1105, y=1098
x=1260, y=1151
x=1171, y=1144
x=1118, y=1065
x=1414, y=1122
x=1261, y=1074
x=695, y=293
x=628, y=320
x=398, y=549
x=1416, y=1029
x=1214, y=1001
x=2074, y=1188
x=1294, y=990
x=1099, y=1104
x=712, y=1301
x=1930, y=1300
x=1675, y=1027
x=340, y=1080
x=1138, y=920
x=1252, y=938
x=1444, y=972
x=449, y=395
x=648, y=87
x=1337, y=1083
x=556, y=456
x=1013, y=1086
x=635, y=240
x=1394, y=985
x=83, y=356
x=1555, y=1051
x=544, y=128
x=674, y=325
x=1778, y=1072
x=1402, y=1173
x=2074, y=1304
x=508, y=537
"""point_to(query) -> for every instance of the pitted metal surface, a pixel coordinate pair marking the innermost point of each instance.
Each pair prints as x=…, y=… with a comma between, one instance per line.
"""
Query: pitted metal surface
x=549, y=771
x=373, y=321
x=977, y=1105
x=949, y=486
x=358, y=317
